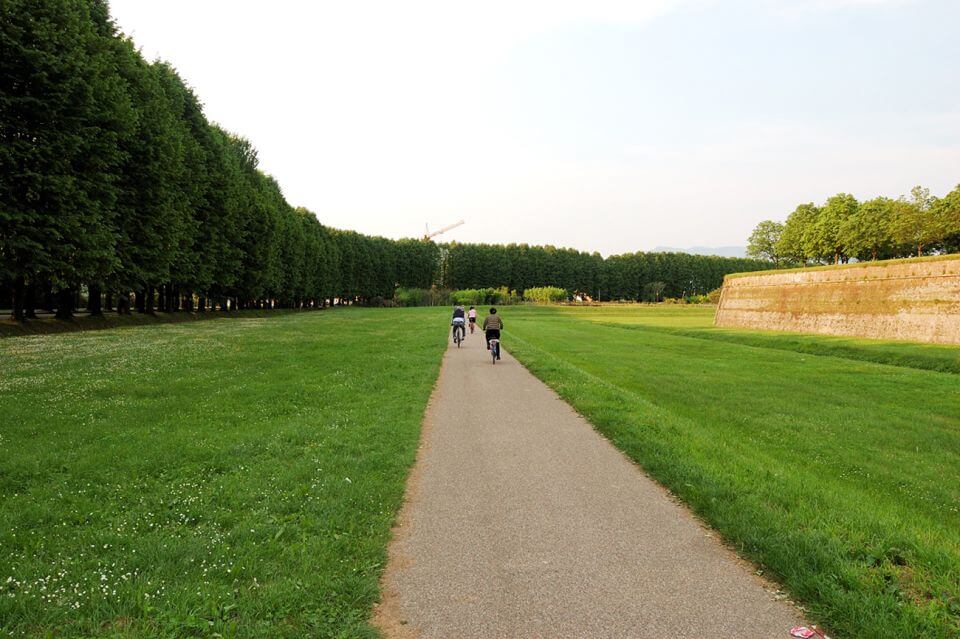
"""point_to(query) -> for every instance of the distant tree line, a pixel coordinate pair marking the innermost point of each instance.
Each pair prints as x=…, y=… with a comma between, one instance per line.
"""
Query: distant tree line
x=631, y=276
x=843, y=228
x=113, y=183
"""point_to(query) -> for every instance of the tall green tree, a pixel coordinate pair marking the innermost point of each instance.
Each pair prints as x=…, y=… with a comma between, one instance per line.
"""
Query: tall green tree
x=63, y=109
x=948, y=214
x=914, y=222
x=826, y=240
x=154, y=215
x=866, y=234
x=796, y=241
x=763, y=242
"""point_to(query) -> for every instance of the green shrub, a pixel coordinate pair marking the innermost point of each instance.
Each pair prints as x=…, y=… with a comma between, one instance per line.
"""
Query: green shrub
x=422, y=297
x=652, y=291
x=478, y=296
x=545, y=294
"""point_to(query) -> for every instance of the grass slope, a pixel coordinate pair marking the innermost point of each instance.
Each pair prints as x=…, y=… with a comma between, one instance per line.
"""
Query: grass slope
x=233, y=477
x=697, y=321
x=840, y=477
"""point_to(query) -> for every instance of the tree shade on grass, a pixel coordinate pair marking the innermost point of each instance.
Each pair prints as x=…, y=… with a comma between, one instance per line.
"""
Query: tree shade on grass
x=839, y=476
x=232, y=477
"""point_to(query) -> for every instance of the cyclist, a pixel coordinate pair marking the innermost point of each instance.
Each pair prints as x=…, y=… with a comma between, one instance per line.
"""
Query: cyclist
x=458, y=322
x=472, y=317
x=492, y=325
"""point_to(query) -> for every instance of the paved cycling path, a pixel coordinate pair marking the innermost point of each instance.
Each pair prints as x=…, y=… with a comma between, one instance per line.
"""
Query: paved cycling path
x=521, y=521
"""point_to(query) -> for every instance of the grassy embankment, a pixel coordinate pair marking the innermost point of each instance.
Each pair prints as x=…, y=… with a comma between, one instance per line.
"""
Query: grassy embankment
x=838, y=475
x=234, y=477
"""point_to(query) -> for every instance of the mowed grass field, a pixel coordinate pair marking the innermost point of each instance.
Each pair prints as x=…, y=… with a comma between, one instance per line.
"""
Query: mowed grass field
x=837, y=474
x=226, y=478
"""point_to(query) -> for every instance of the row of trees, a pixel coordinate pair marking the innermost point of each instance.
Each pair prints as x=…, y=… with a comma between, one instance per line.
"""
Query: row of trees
x=632, y=276
x=114, y=183
x=112, y=179
x=843, y=228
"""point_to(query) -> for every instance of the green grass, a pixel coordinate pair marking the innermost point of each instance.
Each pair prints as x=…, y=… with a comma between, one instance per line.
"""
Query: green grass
x=45, y=325
x=838, y=476
x=697, y=321
x=234, y=477
x=852, y=265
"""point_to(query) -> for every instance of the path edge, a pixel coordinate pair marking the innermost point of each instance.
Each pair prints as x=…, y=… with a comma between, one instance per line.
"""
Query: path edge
x=774, y=588
x=386, y=615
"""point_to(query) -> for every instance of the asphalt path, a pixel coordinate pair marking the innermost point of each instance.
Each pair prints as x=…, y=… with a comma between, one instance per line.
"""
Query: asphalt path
x=522, y=521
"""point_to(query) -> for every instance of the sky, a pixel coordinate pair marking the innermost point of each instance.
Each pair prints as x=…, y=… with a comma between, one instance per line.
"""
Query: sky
x=600, y=125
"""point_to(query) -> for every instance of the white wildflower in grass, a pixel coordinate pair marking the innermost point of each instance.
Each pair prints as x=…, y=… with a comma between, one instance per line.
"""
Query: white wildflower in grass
x=164, y=460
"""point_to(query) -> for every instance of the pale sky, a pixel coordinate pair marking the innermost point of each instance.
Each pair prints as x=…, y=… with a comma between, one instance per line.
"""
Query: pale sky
x=600, y=125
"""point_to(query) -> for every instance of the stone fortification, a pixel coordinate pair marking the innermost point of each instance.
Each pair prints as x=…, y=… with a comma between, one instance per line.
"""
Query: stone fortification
x=916, y=300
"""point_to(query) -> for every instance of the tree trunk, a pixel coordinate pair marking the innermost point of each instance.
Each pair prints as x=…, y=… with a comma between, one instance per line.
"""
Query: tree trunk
x=123, y=303
x=29, y=301
x=139, y=300
x=148, y=300
x=19, y=292
x=108, y=301
x=49, y=299
x=65, y=299
x=94, y=302
x=201, y=304
x=162, y=292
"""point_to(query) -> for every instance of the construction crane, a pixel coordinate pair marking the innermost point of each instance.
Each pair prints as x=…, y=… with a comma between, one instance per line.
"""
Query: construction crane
x=428, y=235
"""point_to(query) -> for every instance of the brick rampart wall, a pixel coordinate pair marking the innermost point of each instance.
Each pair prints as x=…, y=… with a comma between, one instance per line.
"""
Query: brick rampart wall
x=909, y=300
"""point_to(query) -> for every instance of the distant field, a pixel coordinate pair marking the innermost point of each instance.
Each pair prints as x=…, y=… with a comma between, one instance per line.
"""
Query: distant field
x=838, y=474
x=233, y=477
x=697, y=321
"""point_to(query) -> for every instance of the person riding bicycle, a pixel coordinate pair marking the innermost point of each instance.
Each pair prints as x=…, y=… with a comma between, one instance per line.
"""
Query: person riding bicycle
x=492, y=325
x=458, y=322
x=472, y=317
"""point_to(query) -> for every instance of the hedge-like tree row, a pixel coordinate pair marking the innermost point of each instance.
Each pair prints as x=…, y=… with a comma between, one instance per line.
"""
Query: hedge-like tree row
x=113, y=182
x=843, y=228
x=632, y=276
x=112, y=179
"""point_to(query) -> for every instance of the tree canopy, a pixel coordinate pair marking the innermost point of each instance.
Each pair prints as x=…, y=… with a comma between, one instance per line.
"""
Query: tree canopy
x=113, y=181
x=880, y=228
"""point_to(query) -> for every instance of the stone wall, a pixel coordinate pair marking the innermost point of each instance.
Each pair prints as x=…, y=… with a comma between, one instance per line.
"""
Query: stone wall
x=916, y=300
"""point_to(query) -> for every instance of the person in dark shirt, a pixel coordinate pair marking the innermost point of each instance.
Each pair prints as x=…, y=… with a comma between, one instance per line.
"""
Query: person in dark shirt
x=459, y=321
x=492, y=325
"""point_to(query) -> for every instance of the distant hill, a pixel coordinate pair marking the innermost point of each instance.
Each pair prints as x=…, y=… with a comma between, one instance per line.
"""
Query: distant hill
x=722, y=251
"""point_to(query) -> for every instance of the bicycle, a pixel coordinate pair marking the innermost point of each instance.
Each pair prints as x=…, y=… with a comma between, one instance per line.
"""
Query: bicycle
x=495, y=349
x=458, y=334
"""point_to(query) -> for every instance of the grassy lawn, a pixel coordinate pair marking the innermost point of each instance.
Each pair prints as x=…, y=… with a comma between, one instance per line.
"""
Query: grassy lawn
x=697, y=321
x=232, y=477
x=838, y=475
